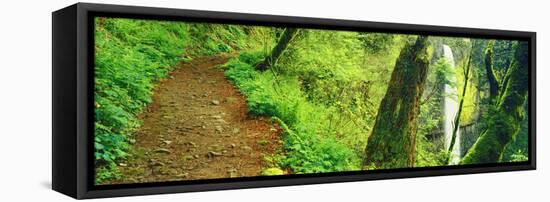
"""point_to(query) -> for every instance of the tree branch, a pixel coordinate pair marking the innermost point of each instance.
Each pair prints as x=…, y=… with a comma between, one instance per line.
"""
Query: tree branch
x=493, y=82
x=278, y=49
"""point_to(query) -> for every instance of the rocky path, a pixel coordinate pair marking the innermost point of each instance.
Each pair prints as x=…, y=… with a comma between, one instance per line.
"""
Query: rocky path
x=197, y=128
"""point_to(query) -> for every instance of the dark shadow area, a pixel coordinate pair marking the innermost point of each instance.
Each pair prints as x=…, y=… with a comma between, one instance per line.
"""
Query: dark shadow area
x=46, y=184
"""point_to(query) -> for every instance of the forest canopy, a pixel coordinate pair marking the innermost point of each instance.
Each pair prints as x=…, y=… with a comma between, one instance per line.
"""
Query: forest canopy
x=177, y=100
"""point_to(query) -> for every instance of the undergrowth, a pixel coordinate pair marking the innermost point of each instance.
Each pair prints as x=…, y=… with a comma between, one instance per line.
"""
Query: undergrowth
x=130, y=57
x=309, y=149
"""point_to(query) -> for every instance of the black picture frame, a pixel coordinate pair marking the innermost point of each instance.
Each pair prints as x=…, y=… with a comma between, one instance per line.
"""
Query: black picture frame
x=72, y=100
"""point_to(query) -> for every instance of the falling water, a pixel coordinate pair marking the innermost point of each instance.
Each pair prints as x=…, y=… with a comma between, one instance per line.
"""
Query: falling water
x=451, y=109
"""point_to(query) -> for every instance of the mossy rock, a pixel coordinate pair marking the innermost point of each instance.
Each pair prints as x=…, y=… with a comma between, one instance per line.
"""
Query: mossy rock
x=272, y=171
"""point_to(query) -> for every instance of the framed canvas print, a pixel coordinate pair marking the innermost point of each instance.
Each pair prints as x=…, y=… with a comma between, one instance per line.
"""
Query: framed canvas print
x=156, y=100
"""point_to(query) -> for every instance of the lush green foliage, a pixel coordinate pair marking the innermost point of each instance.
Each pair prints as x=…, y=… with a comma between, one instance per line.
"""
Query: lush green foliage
x=506, y=115
x=377, y=42
x=428, y=148
x=131, y=56
x=518, y=149
x=392, y=140
x=325, y=90
x=328, y=85
x=308, y=150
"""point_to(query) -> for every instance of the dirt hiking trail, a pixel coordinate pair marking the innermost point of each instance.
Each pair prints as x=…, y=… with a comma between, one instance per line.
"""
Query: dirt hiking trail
x=197, y=127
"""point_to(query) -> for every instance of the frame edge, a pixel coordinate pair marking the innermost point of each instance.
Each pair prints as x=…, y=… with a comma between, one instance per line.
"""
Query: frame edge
x=64, y=156
x=82, y=183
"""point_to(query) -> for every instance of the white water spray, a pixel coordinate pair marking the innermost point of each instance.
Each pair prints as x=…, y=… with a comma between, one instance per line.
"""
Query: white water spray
x=450, y=109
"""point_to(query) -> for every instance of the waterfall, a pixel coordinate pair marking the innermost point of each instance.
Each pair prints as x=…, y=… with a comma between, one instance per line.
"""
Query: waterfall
x=450, y=109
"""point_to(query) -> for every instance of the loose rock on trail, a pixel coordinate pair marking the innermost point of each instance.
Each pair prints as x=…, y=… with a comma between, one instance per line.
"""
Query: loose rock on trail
x=197, y=127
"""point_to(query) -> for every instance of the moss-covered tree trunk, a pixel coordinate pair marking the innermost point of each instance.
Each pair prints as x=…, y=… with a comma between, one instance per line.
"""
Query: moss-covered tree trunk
x=456, y=123
x=285, y=39
x=493, y=83
x=506, y=118
x=392, y=141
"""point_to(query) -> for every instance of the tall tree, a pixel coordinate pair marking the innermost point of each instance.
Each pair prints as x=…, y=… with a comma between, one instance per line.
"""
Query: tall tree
x=493, y=83
x=393, y=138
x=285, y=39
x=507, y=115
x=456, y=123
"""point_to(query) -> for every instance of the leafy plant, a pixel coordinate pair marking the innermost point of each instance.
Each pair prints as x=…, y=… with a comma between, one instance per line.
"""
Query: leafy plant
x=131, y=56
x=280, y=96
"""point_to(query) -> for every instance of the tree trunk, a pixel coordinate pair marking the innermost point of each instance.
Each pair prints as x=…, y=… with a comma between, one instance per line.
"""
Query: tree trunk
x=506, y=118
x=393, y=138
x=493, y=83
x=288, y=34
x=457, y=118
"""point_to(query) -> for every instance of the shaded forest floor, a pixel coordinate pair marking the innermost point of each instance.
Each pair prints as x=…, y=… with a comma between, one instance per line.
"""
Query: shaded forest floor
x=197, y=127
